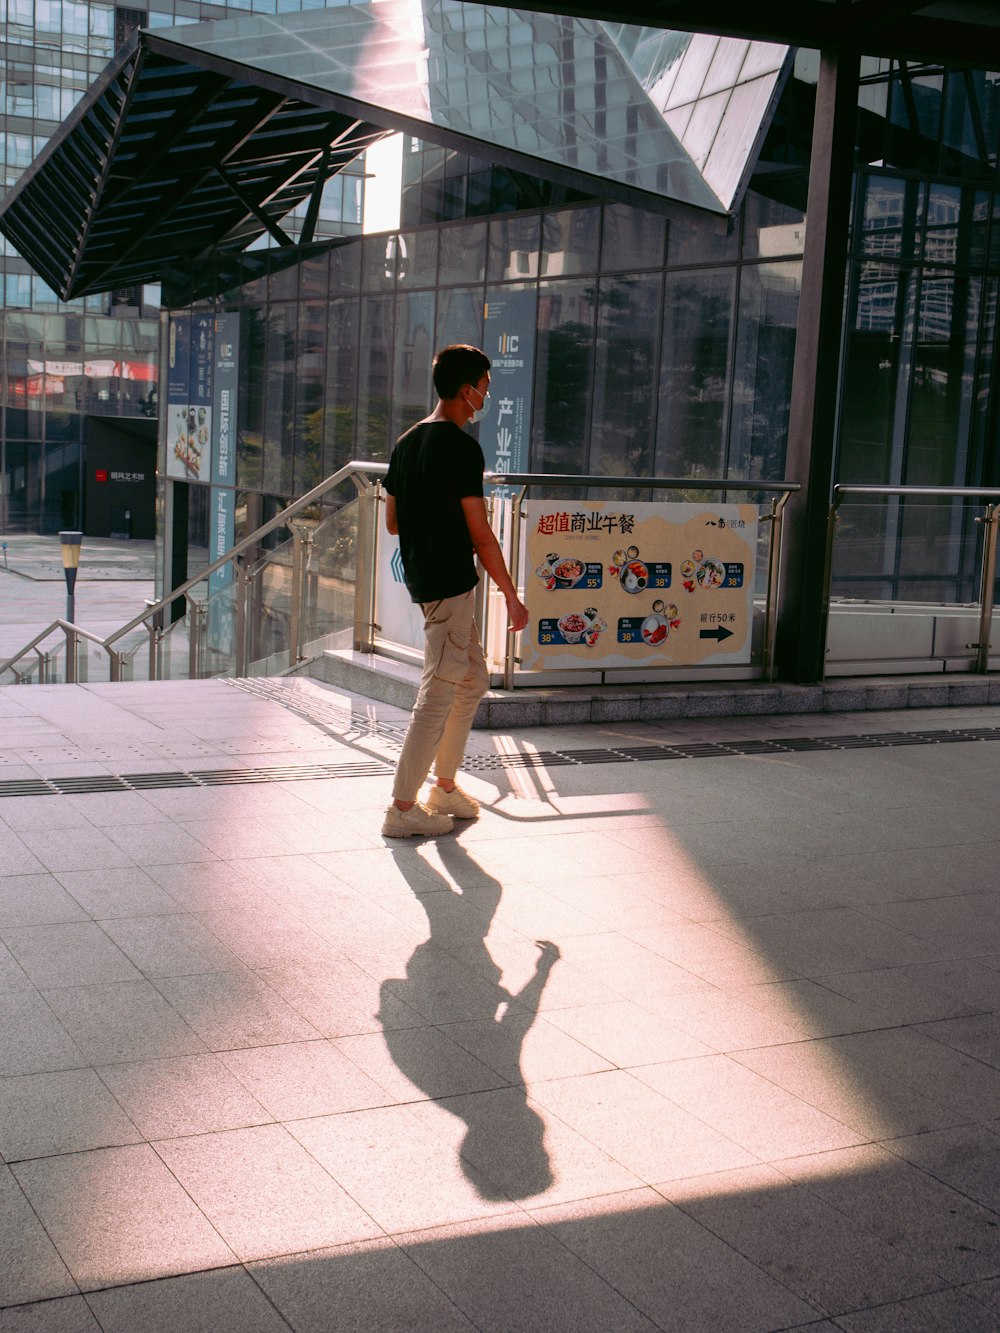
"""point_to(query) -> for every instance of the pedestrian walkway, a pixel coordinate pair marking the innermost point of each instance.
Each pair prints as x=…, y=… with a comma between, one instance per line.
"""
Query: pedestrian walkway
x=38, y=557
x=114, y=581
x=693, y=1029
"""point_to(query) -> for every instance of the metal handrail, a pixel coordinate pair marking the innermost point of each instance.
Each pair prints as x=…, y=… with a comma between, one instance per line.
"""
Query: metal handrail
x=72, y=633
x=642, y=483
x=352, y=469
x=949, y=492
x=152, y=617
x=989, y=560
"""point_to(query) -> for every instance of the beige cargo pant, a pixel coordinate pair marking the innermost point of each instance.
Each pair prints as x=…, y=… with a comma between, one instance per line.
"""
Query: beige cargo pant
x=454, y=680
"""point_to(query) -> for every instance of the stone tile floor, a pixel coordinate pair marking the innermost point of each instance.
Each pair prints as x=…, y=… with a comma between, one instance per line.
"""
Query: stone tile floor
x=699, y=1044
x=38, y=557
x=114, y=581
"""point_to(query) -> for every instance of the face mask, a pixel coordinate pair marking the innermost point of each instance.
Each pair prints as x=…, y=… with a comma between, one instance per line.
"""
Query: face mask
x=483, y=408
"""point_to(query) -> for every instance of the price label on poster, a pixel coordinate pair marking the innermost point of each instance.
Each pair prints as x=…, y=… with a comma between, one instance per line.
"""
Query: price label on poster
x=617, y=585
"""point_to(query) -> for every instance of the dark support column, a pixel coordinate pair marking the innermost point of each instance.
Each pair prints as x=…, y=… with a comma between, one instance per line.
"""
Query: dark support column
x=811, y=429
x=178, y=572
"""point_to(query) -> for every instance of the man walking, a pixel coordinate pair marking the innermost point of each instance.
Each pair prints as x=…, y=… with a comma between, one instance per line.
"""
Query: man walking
x=435, y=503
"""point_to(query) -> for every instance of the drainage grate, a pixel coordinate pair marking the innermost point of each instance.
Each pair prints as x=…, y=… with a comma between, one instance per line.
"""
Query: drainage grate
x=482, y=763
x=213, y=777
x=83, y=786
x=25, y=787
x=805, y=743
x=718, y=749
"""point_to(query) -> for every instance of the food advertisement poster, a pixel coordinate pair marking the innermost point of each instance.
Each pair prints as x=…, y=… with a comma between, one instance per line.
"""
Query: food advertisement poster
x=509, y=342
x=623, y=585
x=189, y=397
x=178, y=394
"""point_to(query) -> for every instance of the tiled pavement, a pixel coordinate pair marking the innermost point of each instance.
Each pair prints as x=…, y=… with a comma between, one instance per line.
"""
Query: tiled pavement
x=116, y=578
x=701, y=1043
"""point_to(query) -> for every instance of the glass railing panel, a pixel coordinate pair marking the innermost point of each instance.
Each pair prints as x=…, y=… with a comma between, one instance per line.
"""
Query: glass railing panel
x=327, y=592
x=93, y=663
x=134, y=650
x=218, y=627
x=173, y=650
x=331, y=582
x=271, y=612
x=906, y=574
x=908, y=549
x=44, y=666
x=53, y=670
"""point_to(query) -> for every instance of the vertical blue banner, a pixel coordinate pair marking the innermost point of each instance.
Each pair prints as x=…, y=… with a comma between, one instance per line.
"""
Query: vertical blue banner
x=202, y=356
x=221, y=536
x=225, y=384
x=509, y=341
x=221, y=611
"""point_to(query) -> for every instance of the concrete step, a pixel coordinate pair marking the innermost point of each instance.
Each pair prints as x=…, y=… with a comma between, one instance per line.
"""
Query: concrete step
x=388, y=681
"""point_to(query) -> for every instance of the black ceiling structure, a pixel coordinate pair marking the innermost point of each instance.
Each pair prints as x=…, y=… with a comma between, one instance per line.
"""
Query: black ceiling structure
x=964, y=32
x=164, y=160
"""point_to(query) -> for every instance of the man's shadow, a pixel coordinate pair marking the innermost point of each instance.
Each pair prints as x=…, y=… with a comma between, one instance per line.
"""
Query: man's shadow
x=504, y=1144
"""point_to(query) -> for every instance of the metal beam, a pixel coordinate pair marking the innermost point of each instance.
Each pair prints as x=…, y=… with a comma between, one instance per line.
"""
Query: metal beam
x=812, y=421
x=312, y=212
x=265, y=221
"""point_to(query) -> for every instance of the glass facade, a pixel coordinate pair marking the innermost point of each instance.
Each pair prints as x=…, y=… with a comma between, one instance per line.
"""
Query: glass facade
x=530, y=88
x=666, y=346
x=919, y=397
x=641, y=365
x=658, y=343
x=65, y=363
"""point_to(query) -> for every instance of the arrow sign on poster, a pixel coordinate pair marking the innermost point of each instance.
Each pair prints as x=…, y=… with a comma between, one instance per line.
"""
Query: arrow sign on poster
x=720, y=633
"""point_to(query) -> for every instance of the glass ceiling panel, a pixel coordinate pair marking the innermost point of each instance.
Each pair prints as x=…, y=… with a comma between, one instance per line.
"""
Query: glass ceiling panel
x=204, y=136
x=693, y=81
x=726, y=67
x=533, y=84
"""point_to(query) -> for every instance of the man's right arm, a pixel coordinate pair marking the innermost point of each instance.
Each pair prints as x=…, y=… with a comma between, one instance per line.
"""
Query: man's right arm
x=391, y=519
x=487, y=548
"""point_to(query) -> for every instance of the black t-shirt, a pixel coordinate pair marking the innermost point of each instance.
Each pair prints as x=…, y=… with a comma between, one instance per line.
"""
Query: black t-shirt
x=433, y=467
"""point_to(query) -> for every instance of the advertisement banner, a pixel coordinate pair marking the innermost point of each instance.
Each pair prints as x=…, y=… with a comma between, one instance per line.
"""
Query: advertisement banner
x=613, y=584
x=178, y=396
x=189, y=397
x=225, y=383
x=509, y=342
x=221, y=537
x=221, y=611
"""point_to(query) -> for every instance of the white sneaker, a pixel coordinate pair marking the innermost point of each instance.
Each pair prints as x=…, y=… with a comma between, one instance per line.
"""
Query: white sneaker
x=457, y=803
x=417, y=822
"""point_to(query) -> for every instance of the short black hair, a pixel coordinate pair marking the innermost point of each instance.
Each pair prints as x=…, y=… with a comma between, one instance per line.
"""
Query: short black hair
x=457, y=365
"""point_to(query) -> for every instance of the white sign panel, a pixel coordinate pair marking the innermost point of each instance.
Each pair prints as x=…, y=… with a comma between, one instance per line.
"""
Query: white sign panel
x=401, y=619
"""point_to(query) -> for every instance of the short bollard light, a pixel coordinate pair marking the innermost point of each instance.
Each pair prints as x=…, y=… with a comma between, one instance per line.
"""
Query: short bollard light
x=71, y=543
